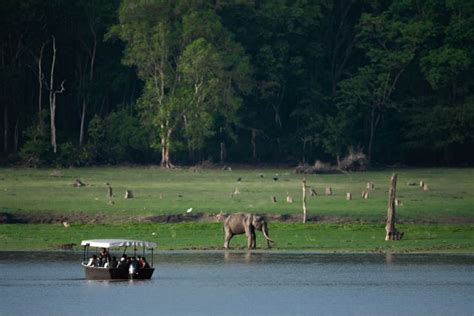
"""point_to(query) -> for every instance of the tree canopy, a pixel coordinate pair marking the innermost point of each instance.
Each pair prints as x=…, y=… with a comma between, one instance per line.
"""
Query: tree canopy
x=160, y=81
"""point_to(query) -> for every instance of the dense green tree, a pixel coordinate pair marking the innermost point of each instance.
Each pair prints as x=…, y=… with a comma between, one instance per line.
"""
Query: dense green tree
x=390, y=40
x=243, y=80
x=191, y=67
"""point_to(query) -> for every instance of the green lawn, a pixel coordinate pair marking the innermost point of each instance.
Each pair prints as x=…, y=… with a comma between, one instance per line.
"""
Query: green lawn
x=288, y=236
x=160, y=191
x=450, y=199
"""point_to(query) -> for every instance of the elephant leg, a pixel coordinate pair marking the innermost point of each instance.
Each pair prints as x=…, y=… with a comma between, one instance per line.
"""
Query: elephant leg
x=227, y=238
x=249, y=240
x=254, y=241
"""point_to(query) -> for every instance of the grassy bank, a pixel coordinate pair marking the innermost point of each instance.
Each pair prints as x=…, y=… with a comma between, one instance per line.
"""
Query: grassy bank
x=288, y=236
x=448, y=207
x=157, y=191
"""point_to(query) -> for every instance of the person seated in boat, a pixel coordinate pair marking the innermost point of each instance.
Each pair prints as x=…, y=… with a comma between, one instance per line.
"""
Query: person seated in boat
x=142, y=263
x=113, y=262
x=104, y=255
x=123, y=264
x=133, y=265
x=100, y=262
x=93, y=261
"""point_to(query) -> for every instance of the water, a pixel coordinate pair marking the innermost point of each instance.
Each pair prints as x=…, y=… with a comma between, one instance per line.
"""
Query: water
x=240, y=283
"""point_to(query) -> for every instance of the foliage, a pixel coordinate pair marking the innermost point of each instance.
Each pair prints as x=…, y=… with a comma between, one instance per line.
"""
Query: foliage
x=119, y=137
x=270, y=81
x=37, y=150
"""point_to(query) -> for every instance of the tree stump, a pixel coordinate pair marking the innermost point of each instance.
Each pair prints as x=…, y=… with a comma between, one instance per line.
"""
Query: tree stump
x=329, y=191
x=289, y=199
x=422, y=183
x=398, y=202
x=78, y=183
x=425, y=187
x=348, y=196
x=305, y=210
x=129, y=194
x=392, y=232
x=110, y=193
x=313, y=192
x=365, y=195
x=370, y=186
x=274, y=199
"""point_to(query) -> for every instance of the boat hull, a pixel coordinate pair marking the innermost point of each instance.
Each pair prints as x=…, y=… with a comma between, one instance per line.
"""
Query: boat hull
x=97, y=273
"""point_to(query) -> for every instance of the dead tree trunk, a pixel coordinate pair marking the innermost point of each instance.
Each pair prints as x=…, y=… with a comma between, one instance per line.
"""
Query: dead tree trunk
x=86, y=98
x=223, y=153
x=52, y=98
x=83, y=116
x=392, y=232
x=305, y=210
x=254, y=145
x=5, y=129
x=165, y=147
x=40, y=89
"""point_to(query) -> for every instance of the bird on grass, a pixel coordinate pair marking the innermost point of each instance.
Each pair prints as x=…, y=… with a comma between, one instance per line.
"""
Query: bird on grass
x=189, y=210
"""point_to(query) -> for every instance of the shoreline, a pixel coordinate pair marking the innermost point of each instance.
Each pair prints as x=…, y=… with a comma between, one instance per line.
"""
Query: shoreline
x=289, y=237
x=79, y=252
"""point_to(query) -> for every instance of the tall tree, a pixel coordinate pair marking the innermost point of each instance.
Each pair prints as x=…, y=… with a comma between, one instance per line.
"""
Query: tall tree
x=191, y=68
x=442, y=122
x=53, y=91
x=390, y=40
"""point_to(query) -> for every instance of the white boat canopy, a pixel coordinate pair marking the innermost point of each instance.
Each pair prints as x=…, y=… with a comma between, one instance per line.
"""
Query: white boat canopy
x=110, y=243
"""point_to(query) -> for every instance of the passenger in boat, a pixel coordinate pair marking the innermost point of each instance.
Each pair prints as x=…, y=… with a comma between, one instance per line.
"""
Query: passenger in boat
x=133, y=265
x=113, y=262
x=123, y=264
x=142, y=263
x=93, y=261
x=100, y=262
x=105, y=255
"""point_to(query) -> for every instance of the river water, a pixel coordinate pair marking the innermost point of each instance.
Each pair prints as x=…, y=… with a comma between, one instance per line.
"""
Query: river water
x=243, y=283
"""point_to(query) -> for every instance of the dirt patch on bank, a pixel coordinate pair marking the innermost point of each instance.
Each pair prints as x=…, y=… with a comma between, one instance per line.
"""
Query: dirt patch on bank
x=100, y=218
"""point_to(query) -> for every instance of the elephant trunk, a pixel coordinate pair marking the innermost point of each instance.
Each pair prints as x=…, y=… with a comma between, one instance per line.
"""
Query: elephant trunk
x=265, y=234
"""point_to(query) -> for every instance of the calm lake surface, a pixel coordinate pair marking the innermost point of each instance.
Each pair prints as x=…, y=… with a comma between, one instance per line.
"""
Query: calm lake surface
x=243, y=283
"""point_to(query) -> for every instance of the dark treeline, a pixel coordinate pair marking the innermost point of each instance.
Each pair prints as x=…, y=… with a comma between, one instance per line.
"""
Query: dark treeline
x=148, y=81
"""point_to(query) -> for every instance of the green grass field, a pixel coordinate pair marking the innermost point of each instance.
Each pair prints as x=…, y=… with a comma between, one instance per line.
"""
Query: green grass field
x=160, y=191
x=449, y=203
x=288, y=236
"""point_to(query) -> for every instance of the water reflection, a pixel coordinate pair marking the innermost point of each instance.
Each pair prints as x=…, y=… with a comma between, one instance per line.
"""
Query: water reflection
x=244, y=282
x=389, y=258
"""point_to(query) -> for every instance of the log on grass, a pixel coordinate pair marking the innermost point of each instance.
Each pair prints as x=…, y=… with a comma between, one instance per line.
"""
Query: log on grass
x=78, y=183
x=129, y=194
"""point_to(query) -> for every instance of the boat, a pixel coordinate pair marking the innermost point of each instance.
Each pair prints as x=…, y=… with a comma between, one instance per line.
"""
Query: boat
x=123, y=272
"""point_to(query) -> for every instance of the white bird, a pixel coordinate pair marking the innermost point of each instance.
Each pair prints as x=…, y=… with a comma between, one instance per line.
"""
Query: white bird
x=189, y=210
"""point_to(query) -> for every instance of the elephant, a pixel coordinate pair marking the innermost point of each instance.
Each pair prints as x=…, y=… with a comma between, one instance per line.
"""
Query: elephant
x=237, y=224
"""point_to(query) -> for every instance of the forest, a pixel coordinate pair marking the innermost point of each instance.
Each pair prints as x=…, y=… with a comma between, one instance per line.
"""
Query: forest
x=176, y=82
